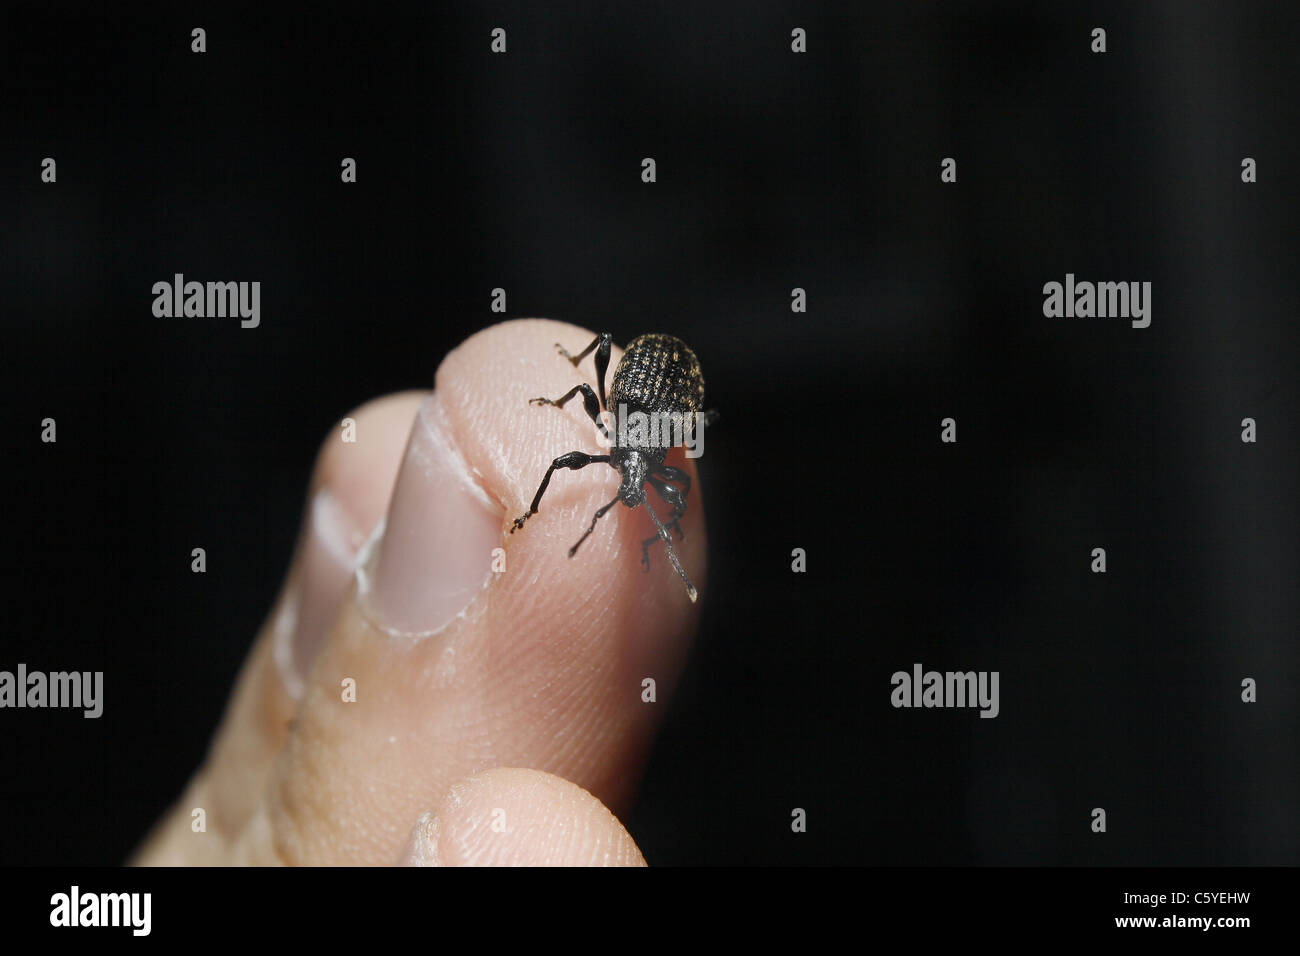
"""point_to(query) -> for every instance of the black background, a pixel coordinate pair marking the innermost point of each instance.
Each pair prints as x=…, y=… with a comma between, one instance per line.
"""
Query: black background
x=776, y=170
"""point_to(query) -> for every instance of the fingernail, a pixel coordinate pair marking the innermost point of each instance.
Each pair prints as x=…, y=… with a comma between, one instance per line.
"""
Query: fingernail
x=422, y=847
x=436, y=551
x=323, y=576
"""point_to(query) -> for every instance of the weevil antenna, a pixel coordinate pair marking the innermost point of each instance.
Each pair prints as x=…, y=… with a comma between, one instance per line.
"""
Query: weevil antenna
x=672, y=552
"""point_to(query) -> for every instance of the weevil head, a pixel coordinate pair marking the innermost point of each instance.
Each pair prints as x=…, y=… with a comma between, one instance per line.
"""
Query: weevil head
x=634, y=466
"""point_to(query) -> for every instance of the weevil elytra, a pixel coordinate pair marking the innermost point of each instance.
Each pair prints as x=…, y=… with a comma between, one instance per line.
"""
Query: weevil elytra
x=658, y=379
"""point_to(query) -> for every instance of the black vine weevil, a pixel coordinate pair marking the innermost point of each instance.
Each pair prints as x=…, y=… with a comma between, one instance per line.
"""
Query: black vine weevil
x=656, y=396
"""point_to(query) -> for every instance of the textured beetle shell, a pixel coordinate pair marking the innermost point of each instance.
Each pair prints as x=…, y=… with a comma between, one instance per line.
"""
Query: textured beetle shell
x=658, y=373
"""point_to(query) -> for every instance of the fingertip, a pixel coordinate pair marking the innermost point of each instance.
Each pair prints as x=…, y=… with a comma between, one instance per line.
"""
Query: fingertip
x=485, y=387
x=519, y=817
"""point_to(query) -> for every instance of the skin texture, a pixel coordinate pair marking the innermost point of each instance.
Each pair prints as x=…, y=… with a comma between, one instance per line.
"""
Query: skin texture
x=493, y=723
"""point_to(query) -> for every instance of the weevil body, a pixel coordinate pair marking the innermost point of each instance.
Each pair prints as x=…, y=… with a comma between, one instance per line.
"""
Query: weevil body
x=658, y=386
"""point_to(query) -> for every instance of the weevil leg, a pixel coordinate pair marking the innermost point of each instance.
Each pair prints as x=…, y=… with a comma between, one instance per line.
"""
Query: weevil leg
x=573, y=461
x=602, y=344
x=588, y=403
x=648, y=542
x=678, y=477
x=674, y=496
x=672, y=552
x=600, y=513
